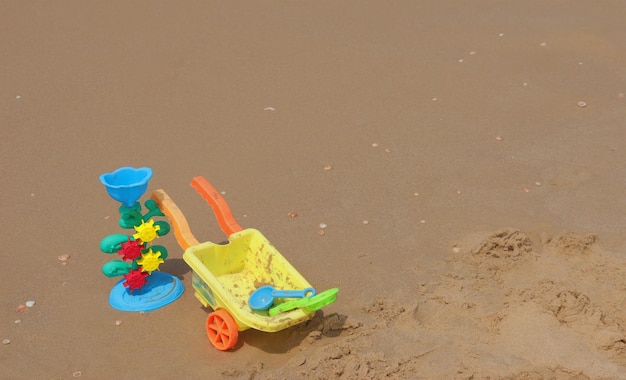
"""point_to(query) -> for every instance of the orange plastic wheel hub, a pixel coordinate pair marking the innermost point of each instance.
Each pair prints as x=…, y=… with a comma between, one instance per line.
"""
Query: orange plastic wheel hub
x=222, y=330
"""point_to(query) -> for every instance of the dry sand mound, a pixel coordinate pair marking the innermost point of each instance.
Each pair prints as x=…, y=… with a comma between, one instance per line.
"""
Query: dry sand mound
x=501, y=309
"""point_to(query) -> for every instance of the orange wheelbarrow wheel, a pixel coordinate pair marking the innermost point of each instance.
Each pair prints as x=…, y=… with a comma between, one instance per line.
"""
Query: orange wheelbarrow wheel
x=222, y=330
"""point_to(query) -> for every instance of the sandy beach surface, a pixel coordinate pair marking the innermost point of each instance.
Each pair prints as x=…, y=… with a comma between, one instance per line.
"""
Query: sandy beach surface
x=467, y=160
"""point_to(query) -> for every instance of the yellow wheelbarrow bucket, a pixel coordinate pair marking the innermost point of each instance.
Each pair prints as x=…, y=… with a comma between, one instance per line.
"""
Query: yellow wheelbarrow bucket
x=225, y=275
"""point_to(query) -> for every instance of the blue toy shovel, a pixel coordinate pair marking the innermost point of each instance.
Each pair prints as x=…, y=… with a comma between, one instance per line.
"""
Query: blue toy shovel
x=263, y=298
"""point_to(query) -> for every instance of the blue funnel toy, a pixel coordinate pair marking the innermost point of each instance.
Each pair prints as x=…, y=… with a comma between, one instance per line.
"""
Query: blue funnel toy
x=127, y=184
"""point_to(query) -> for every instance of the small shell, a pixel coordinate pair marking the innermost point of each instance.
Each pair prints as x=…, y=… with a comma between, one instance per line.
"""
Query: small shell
x=366, y=222
x=118, y=322
x=581, y=104
x=6, y=341
x=22, y=308
x=328, y=167
x=29, y=303
x=499, y=138
x=63, y=257
x=292, y=214
x=77, y=374
x=323, y=225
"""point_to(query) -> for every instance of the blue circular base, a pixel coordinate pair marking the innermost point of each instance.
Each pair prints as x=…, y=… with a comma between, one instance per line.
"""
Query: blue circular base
x=161, y=290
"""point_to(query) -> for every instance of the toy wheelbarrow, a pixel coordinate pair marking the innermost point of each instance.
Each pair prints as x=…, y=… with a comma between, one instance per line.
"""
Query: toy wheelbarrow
x=225, y=276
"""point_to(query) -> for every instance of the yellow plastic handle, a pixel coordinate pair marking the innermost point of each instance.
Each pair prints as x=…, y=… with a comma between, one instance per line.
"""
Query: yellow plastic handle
x=222, y=212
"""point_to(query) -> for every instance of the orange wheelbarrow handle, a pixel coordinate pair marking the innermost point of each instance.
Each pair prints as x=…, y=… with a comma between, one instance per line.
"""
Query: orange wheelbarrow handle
x=222, y=212
x=183, y=234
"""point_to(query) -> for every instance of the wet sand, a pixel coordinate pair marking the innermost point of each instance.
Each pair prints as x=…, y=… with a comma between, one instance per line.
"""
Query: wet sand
x=467, y=160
